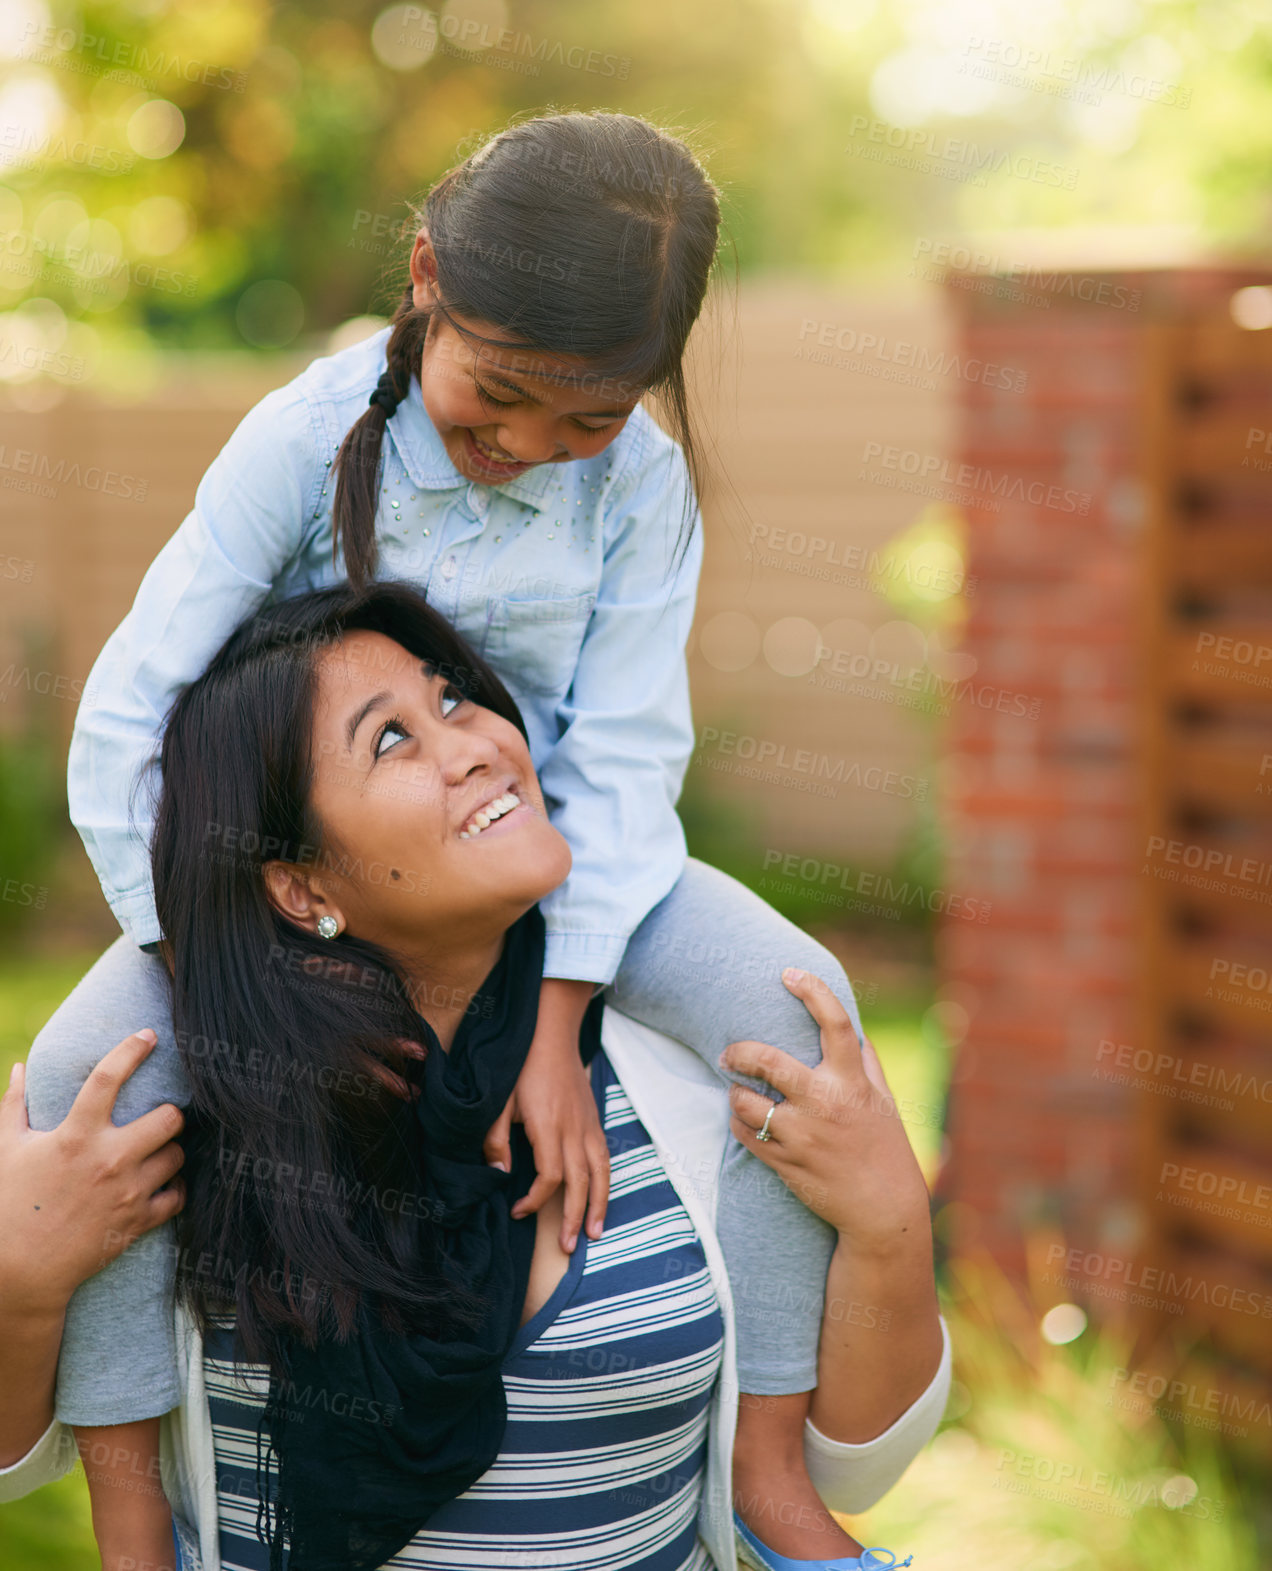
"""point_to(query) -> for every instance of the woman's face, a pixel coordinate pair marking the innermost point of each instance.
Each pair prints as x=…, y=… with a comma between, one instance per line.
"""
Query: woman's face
x=501, y=410
x=403, y=767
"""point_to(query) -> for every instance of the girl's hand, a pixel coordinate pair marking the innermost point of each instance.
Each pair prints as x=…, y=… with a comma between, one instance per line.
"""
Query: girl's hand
x=553, y=1099
x=837, y=1141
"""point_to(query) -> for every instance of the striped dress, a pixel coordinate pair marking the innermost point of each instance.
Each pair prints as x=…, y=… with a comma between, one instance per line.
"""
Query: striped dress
x=608, y=1391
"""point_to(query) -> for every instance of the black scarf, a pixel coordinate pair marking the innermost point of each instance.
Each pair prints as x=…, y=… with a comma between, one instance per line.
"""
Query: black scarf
x=373, y=1434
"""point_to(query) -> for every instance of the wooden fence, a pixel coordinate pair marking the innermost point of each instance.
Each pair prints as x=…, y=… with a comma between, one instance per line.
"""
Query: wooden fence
x=1205, y=1103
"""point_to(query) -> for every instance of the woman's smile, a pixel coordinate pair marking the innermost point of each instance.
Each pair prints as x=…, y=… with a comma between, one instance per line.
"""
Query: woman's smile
x=494, y=814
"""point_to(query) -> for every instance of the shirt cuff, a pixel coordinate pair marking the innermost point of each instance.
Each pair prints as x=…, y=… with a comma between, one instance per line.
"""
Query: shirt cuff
x=135, y=912
x=851, y=1478
x=52, y=1455
x=584, y=957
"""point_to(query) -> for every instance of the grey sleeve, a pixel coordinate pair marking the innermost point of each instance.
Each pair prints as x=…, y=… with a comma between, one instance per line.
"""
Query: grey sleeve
x=119, y=1356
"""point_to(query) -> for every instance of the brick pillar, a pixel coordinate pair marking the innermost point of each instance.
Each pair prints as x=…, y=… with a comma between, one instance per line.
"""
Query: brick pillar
x=1043, y=815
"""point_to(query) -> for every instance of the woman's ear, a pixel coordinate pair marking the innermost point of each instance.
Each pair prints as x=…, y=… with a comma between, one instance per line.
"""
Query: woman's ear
x=293, y=895
x=423, y=271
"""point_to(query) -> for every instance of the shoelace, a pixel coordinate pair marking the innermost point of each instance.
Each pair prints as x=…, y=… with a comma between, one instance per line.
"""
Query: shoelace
x=870, y=1560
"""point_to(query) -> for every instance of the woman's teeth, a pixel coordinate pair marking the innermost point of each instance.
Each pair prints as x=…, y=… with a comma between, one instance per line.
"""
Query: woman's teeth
x=492, y=811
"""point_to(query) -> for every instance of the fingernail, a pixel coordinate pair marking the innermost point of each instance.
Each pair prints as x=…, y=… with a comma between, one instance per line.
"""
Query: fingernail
x=147, y=1035
x=792, y=975
x=502, y=1166
x=571, y=1242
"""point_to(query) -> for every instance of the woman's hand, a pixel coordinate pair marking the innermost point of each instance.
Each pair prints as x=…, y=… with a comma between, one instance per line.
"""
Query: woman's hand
x=74, y=1198
x=78, y=1195
x=554, y=1100
x=839, y=1145
x=836, y=1141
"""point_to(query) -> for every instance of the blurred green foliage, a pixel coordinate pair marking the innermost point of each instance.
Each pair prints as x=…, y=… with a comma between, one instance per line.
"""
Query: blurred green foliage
x=234, y=173
x=1039, y=1466
x=32, y=793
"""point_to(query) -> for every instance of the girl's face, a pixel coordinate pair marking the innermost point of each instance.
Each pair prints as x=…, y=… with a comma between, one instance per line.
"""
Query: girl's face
x=501, y=410
x=434, y=829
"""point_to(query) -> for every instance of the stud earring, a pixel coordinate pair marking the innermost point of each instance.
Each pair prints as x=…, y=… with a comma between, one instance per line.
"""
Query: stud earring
x=328, y=927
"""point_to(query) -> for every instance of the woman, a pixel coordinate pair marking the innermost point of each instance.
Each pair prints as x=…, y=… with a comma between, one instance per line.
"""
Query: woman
x=351, y=844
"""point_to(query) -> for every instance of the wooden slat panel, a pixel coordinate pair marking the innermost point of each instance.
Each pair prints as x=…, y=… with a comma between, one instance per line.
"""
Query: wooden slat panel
x=1216, y=987
x=1228, y=440
x=1220, y=663
x=1223, y=352
x=1204, y=1120
x=1217, y=775
x=1220, y=555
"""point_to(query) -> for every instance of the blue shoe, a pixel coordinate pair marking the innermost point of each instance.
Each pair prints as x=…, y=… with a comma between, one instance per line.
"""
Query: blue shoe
x=751, y=1552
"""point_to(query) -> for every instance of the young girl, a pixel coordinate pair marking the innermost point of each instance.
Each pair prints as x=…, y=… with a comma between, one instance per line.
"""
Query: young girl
x=490, y=447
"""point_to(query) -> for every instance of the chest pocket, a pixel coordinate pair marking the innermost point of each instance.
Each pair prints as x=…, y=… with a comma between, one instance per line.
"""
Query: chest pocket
x=534, y=641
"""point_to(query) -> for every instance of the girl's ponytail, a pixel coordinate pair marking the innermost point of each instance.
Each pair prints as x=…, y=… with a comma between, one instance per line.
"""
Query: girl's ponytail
x=588, y=235
x=358, y=461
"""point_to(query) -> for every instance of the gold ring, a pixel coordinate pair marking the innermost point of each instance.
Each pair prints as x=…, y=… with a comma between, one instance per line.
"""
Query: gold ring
x=762, y=1133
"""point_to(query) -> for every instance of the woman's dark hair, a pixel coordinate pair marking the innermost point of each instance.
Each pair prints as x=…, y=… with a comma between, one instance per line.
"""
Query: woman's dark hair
x=621, y=223
x=298, y=1170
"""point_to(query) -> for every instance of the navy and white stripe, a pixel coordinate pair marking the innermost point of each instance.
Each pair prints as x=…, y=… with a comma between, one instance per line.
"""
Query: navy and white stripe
x=608, y=1392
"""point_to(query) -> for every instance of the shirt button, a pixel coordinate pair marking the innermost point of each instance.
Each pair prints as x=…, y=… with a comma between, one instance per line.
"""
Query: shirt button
x=448, y=567
x=478, y=500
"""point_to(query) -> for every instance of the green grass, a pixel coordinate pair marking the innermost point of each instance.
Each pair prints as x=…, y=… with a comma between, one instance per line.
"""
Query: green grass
x=915, y=1059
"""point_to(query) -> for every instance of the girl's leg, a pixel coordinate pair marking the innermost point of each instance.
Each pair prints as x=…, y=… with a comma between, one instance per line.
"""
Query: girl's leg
x=705, y=967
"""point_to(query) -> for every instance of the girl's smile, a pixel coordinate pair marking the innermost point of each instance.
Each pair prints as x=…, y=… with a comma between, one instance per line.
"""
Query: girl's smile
x=482, y=458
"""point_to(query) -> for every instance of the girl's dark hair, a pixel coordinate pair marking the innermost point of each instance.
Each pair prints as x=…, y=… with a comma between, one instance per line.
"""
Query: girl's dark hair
x=620, y=223
x=299, y=1169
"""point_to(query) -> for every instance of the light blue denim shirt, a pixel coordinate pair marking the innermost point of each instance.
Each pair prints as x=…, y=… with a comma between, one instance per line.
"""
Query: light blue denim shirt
x=567, y=579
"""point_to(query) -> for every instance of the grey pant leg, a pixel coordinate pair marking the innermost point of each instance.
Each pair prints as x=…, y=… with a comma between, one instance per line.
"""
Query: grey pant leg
x=119, y=1358
x=705, y=967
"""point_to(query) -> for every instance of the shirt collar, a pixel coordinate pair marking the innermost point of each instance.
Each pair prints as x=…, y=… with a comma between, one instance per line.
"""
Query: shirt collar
x=428, y=463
